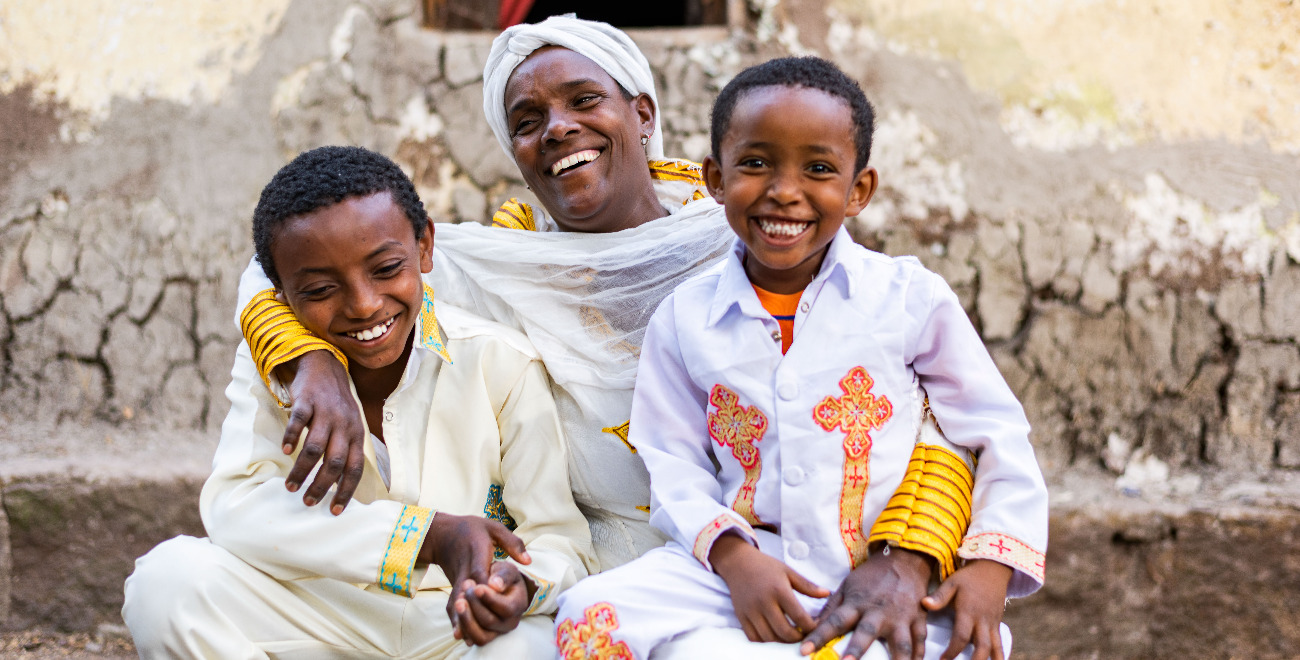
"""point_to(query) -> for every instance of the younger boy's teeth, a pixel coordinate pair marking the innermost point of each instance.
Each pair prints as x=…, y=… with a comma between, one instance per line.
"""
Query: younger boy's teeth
x=781, y=228
x=371, y=333
x=585, y=156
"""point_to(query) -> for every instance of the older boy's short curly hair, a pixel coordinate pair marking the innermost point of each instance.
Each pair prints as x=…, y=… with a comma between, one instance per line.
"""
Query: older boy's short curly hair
x=810, y=72
x=323, y=177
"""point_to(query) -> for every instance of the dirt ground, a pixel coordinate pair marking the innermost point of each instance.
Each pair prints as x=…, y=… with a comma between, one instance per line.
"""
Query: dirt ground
x=109, y=643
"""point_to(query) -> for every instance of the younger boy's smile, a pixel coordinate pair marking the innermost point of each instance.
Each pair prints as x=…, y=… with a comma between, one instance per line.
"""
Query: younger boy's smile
x=786, y=176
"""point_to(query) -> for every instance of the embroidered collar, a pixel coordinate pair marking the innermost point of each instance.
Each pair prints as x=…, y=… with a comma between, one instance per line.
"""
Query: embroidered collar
x=430, y=330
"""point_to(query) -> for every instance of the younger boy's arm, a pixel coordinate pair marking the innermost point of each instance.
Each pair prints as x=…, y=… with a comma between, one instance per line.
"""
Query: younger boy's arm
x=319, y=391
x=247, y=510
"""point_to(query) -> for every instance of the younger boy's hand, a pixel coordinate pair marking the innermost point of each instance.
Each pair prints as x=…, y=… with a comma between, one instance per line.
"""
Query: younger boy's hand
x=978, y=594
x=485, y=611
x=880, y=599
x=762, y=591
x=323, y=404
x=464, y=546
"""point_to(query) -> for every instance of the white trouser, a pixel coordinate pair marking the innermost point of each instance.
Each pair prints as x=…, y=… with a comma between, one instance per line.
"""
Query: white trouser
x=667, y=603
x=189, y=598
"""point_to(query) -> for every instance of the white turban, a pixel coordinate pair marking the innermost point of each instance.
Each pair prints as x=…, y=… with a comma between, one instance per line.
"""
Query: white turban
x=607, y=46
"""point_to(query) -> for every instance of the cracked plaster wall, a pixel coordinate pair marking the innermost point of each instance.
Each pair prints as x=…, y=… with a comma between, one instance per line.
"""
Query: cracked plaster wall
x=1137, y=282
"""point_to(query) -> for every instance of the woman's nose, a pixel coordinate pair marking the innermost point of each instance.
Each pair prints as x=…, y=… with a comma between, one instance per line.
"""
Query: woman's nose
x=559, y=124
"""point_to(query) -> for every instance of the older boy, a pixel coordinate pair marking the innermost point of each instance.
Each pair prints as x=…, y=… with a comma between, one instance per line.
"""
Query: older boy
x=464, y=442
x=777, y=408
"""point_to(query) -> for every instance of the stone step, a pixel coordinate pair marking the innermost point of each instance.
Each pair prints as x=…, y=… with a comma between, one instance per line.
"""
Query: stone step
x=1128, y=577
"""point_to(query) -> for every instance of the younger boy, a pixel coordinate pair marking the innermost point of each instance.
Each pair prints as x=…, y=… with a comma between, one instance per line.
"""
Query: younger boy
x=800, y=358
x=463, y=438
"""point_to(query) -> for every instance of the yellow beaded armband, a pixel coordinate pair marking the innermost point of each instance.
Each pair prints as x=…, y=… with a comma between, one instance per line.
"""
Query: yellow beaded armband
x=275, y=336
x=930, y=511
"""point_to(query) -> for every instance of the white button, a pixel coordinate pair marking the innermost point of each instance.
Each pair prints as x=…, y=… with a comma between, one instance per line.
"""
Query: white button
x=803, y=307
x=798, y=550
x=388, y=416
x=794, y=475
x=776, y=335
x=787, y=390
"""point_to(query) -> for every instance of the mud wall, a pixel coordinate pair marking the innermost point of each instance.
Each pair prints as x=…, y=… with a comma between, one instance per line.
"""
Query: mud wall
x=1113, y=189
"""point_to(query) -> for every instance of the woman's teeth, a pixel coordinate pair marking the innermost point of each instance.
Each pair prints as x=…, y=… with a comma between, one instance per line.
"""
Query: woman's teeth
x=372, y=333
x=565, y=163
x=782, y=228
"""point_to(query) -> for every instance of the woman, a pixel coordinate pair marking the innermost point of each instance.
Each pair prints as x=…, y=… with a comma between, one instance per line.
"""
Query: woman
x=573, y=103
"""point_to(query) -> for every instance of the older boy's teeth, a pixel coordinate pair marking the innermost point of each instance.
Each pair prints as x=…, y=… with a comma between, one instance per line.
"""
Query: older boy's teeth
x=371, y=333
x=565, y=163
x=778, y=228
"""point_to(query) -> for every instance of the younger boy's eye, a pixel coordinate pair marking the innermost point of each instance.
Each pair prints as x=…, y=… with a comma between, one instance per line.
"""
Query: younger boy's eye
x=821, y=168
x=752, y=162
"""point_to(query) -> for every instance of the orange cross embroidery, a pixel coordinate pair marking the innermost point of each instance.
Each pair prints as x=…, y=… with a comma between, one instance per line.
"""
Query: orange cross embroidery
x=590, y=638
x=741, y=428
x=857, y=413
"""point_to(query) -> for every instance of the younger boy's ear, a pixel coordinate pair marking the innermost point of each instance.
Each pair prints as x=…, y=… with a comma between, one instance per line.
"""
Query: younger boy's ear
x=426, y=246
x=713, y=178
x=864, y=186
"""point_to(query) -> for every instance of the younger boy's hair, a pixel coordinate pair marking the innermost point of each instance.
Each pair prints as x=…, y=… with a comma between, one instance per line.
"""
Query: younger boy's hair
x=810, y=72
x=323, y=177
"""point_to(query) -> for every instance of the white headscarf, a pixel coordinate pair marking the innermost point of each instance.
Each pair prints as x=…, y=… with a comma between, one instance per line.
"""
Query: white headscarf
x=607, y=46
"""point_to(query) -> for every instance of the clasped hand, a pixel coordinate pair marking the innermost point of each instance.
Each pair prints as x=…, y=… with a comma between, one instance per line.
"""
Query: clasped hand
x=488, y=597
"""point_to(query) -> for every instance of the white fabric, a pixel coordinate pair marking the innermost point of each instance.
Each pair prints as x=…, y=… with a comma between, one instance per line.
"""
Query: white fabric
x=892, y=317
x=607, y=46
x=189, y=598
x=668, y=595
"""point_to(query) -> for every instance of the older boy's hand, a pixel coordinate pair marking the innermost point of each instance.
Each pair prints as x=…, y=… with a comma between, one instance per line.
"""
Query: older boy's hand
x=880, y=599
x=464, y=547
x=978, y=594
x=762, y=591
x=323, y=404
x=486, y=611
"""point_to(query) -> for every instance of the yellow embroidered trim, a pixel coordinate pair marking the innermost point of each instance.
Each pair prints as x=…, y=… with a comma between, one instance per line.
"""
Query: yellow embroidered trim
x=741, y=428
x=643, y=508
x=430, y=332
x=621, y=432
x=515, y=214
x=857, y=413
x=275, y=336
x=695, y=196
x=677, y=170
x=403, y=546
x=545, y=589
x=930, y=511
x=1007, y=550
x=495, y=509
x=594, y=321
x=590, y=639
x=704, y=540
x=828, y=652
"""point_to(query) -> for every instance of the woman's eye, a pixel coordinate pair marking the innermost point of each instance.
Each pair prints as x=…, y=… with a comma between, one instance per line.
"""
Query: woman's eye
x=586, y=99
x=522, y=126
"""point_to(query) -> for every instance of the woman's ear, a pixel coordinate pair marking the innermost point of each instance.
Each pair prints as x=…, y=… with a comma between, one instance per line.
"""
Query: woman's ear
x=645, y=112
x=713, y=178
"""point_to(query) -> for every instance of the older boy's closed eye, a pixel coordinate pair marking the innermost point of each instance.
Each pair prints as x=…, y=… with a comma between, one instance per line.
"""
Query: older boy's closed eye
x=793, y=367
x=463, y=442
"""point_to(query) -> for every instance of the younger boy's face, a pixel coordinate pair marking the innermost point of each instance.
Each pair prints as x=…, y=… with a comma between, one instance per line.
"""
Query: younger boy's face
x=351, y=273
x=785, y=177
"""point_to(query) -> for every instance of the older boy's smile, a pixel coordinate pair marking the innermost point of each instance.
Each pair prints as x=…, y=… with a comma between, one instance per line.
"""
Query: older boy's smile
x=370, y=334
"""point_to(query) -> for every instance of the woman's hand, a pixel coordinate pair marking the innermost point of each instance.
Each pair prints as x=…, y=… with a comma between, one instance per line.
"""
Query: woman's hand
x=464, y=547
x=762, y=591
x=485, y=611
x=880, y=599
x=323, y=404
x=978, y=594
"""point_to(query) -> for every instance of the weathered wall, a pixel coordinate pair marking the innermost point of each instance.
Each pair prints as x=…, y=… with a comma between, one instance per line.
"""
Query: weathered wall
x=1112, y=187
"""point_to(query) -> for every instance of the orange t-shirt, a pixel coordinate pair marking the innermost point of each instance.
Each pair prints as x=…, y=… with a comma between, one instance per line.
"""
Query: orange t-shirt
x=782, y=307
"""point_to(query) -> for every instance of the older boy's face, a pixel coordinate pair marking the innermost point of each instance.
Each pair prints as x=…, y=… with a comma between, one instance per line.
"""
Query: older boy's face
x=786, y=180
x=351, y=273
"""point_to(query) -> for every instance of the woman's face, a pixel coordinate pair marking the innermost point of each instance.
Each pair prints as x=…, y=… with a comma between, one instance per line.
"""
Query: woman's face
x=577, y=139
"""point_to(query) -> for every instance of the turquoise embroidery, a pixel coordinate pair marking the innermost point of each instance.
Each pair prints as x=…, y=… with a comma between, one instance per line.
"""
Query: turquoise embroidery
x=495, y=509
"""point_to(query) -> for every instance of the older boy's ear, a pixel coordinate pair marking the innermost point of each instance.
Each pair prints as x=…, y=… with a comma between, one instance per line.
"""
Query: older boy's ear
x=713, y=178
x=864, y=186
x=426, y=246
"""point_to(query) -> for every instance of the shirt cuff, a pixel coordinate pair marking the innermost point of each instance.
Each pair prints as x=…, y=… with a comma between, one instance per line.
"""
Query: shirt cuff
x=1013, y=552
x=408, y=535
x=709, y=535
